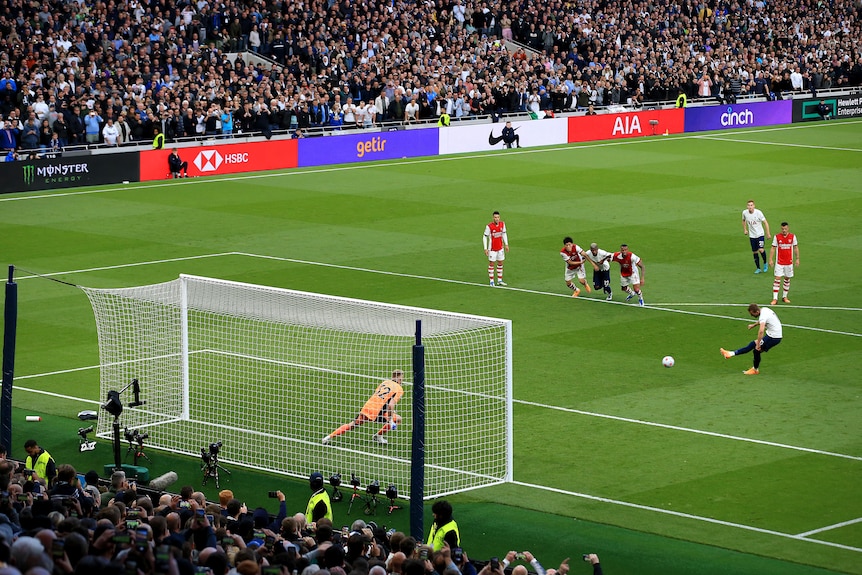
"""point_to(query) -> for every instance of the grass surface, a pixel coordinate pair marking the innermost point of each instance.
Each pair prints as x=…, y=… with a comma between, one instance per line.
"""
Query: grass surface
x=690, y=469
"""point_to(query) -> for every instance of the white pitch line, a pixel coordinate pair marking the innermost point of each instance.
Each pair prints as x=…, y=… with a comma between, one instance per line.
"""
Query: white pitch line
x=688, y=430
x=130, y=265
x=783, y=306
x=780, y=144
x=524, y=290
x=830, y=527
x=426, y=160
x=688, y=516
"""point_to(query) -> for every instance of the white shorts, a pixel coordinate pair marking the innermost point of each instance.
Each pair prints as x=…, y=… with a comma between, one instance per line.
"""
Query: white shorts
x=496, y=256
x=633, y=279
x=578, y=271
x=783, y=271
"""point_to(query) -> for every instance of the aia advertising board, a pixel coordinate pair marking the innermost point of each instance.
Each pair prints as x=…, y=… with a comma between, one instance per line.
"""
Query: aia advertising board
x=348, y=148
x=626, y=125
x=725, y=117
x=222, y=159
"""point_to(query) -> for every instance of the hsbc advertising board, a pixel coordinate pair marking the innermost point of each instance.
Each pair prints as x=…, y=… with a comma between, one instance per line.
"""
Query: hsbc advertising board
x=222, y=159
x=626, y=125
x=736, y=116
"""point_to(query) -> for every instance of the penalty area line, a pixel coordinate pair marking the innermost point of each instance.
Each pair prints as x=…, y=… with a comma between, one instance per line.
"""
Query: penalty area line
x=687, y=516
x=524, y=290
x=688, y=430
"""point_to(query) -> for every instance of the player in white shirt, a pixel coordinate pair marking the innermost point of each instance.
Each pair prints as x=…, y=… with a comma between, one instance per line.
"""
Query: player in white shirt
x=769, y=334
x=602, y=275
x=753, y=222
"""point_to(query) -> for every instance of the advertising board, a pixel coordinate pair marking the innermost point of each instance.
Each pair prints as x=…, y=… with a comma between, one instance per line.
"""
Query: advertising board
x=68, y=172
x=347, y=147
x=214, y=160
x=730, y=116
x=625, y=125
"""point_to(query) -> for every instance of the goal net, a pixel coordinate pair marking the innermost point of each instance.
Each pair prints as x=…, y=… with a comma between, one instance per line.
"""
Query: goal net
x=269, y=372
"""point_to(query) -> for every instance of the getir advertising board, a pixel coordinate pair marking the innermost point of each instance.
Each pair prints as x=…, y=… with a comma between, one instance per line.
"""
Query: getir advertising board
x=222, y=159
x=346, y=147
x=626, y=125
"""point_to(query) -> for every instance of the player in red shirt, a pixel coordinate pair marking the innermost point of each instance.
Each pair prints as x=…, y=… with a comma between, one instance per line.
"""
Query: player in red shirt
x=631, y=273
x=574, y=257
x=781, y=254
x=496, y=244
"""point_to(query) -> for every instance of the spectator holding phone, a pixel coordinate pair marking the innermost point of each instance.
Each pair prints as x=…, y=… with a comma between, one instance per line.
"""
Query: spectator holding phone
x=513, y=556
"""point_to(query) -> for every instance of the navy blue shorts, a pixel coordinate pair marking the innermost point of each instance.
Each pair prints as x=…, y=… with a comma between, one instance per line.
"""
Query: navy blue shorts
x=756, y=244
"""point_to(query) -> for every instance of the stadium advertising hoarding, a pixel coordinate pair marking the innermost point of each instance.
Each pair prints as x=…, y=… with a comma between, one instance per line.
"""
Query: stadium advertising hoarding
x=625, y=125
x=725, y=117
x=840, y=107
x=68, y=172
x=458, y=139
x=214, y=160
x=347, y=148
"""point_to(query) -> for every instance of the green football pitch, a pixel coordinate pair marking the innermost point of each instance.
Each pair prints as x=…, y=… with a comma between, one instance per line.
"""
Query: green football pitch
x=694, y=469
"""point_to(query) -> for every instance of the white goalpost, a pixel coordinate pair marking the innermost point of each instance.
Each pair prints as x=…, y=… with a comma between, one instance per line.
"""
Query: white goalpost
x=269, y=372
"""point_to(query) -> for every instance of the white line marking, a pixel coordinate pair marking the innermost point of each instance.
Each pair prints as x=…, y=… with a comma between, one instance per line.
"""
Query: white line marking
x=689, y=430
x=780, y=144
x=524, y=290
x=783, y=306
x=131, y=265
x=434, y=159
x=830, y=527
x=688, y=516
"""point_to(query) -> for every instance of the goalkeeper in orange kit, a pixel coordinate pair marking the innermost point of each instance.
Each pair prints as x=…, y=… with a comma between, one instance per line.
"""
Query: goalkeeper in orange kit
x=380, y=407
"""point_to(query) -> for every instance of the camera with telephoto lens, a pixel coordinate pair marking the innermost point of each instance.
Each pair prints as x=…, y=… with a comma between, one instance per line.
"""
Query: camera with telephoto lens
x=215, y=447
x=83, y=431
x=354, y=481
x=373, y=488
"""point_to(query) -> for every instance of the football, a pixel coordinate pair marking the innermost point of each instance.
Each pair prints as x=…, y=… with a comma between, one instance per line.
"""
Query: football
x=667, y=361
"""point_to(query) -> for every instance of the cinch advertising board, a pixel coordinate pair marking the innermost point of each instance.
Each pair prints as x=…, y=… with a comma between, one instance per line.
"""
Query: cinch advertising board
x=68, y=172
x=457, y=139
x=625, y=125
x=222, y=159
x=730, y=116
x=347, y=148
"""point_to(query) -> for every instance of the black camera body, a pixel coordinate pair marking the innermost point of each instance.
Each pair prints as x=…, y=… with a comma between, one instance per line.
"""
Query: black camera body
x=354, y=481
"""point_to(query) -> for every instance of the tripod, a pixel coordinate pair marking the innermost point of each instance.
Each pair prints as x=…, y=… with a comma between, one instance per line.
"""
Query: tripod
x=210, y=469
x=392, y=506
x=138, y=450
x=355, y=495
x=370, y=507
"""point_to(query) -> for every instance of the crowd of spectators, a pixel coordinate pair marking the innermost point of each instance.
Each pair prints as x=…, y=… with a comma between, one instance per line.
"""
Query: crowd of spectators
x=54, y=521
x=75, y=72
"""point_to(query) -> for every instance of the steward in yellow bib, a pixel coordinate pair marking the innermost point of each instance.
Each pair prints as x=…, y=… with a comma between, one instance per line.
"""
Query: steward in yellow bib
x=159, y=140
x=319, y=505
x=681, y=100
x=444, y=120
x=40, y=461
x=444, y=530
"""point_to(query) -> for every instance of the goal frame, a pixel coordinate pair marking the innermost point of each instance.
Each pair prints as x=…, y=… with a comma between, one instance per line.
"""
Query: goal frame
x=145, y=418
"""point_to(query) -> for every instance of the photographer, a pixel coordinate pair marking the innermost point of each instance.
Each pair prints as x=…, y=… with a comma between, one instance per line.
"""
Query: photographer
x=824, y=110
